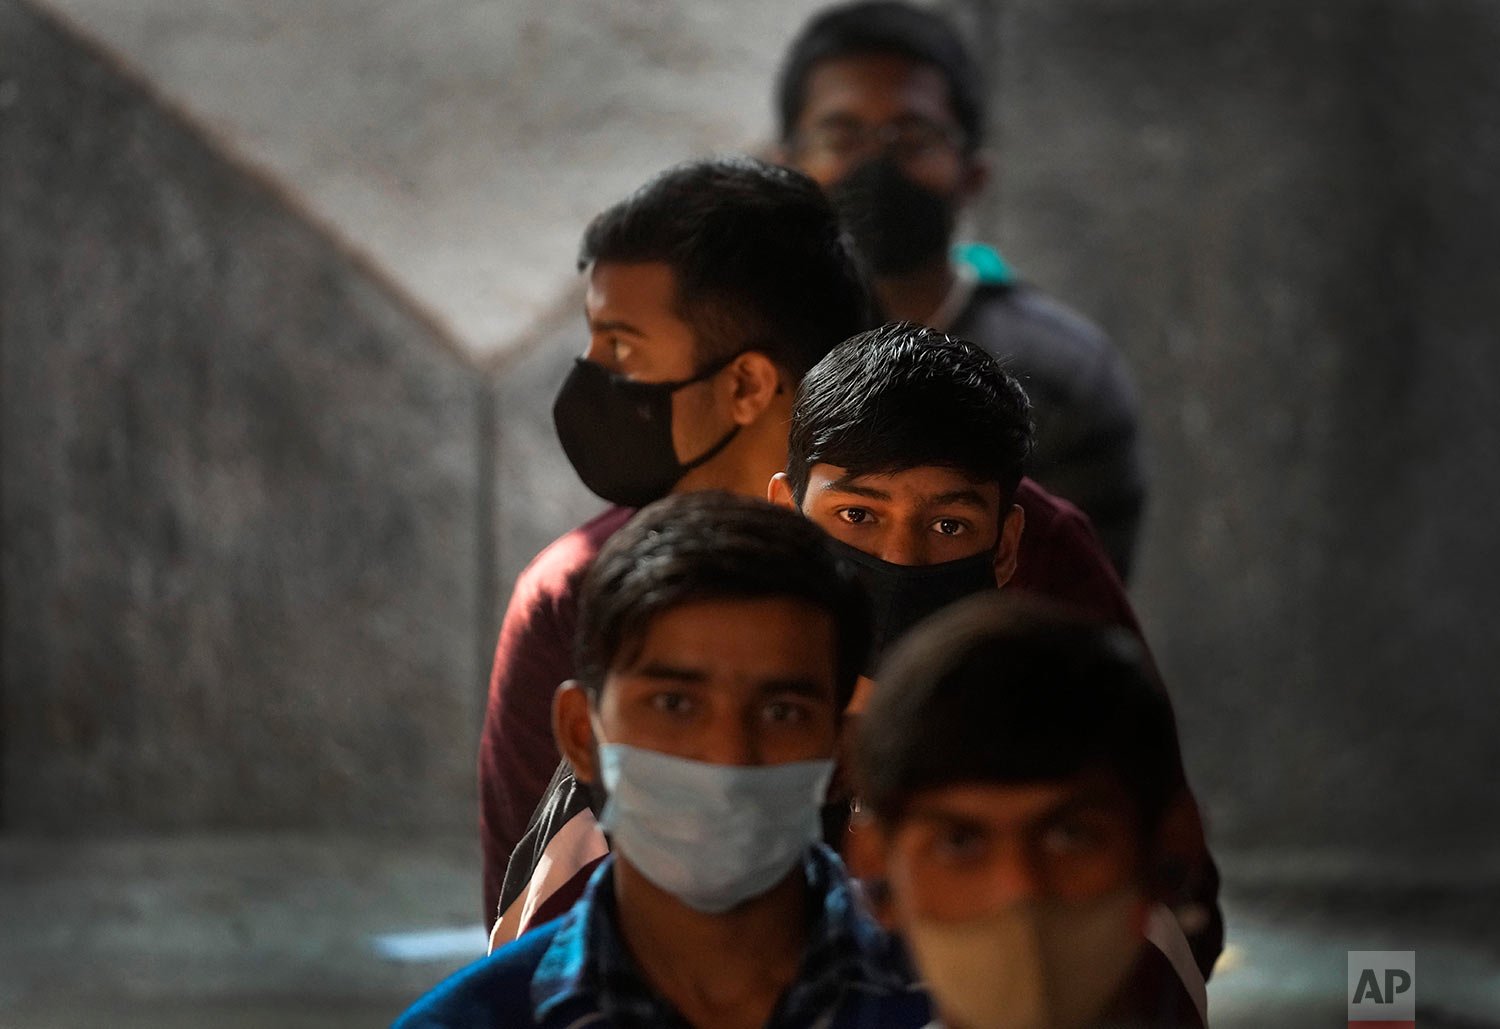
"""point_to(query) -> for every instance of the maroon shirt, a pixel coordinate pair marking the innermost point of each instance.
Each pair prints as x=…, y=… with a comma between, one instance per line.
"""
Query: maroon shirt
x=1060, y=558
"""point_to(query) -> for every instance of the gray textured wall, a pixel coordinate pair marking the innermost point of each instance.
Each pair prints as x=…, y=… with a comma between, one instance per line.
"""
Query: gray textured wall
x=241, y=507
x=1286, y=213
x=258, y=525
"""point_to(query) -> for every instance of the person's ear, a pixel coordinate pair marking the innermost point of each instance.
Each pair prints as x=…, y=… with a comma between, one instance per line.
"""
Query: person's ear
x=573, y=728
x=755, y=382
x=779, y=492
x=1008, y=551
x=1175, y=853
x=976, y=176
x=866, y=848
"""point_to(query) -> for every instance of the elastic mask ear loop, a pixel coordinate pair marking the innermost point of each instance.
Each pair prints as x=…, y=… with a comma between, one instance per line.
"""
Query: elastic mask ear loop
x=709, y=371
x=714, y=368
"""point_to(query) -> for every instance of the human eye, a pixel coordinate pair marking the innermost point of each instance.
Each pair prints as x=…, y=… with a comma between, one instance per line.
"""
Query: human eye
x=950, y=526
x=837, y=138
x=855, y=515
x=917, y=136
x=960, y=842
x=620, y=349
x=787, y=712
x=671, y=702
x=1072, y=836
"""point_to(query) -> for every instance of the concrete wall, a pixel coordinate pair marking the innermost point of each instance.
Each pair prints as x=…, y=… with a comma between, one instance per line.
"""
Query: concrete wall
x=1286, y=214
x=242, y=516
x=258, y=525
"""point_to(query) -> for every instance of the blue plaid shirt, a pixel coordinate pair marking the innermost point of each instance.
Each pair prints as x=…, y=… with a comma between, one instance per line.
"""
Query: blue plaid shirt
x=852, y=971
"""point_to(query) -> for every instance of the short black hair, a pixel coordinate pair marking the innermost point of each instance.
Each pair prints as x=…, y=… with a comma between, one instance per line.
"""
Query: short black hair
x=905, y=396
x=999, y=690
x=713, y=545
x=882, y=27
x=757, y=254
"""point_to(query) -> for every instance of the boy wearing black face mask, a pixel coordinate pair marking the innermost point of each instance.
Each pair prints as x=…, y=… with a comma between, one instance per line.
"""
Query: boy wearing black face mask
x=718, y=642
x=880, y=103
x=1024, y=778
x=907, y=448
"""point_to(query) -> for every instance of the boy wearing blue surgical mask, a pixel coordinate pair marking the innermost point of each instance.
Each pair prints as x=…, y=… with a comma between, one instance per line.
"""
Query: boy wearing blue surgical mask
x=1023, y=774
x=718, y=644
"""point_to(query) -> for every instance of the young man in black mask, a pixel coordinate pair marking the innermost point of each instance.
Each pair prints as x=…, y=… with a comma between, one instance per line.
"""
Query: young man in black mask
x=881, y=104
x=711, y=290
x=907, y=447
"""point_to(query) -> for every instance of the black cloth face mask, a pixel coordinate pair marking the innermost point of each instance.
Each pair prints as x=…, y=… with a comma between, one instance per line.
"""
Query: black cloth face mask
x=617, y=433
x=897, y=225
x=903, y=595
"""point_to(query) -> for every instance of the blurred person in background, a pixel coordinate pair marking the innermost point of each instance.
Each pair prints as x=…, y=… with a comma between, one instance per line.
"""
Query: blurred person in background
x=1022, y=772
x=718, y=644
x=883, y=106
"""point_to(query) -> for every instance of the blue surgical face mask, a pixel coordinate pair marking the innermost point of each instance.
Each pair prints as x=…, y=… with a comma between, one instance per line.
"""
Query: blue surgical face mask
x=711, y=835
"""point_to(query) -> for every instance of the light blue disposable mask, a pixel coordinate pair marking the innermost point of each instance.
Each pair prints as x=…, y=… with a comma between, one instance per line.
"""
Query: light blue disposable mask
x=711, y=835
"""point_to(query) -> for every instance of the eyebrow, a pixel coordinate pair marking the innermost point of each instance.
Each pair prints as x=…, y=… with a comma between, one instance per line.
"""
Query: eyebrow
x=800, y=687
x=1088, y=800
x=845, y=484
x=661, y=670
x=674, y=673
x=612, y=325
x=969, y=497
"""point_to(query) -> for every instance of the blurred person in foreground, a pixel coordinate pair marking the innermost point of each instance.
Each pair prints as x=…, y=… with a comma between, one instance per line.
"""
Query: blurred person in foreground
x=1021, y=768
x=882, y=105
x=712, y=290
x=718, y=644
x=907, y=447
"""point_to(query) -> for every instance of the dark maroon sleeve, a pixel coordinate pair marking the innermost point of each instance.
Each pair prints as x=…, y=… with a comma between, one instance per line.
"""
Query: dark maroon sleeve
x=517, y=754
x=1062, y=559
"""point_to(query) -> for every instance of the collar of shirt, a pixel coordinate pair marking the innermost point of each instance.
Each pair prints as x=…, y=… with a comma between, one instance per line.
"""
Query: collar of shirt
x=588, y=970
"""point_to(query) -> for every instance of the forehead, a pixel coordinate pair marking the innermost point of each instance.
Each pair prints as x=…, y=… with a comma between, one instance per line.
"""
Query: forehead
x=923, y=484
x=875, y=88
x=752, y=641
x=640, y=294
x=1006, y=806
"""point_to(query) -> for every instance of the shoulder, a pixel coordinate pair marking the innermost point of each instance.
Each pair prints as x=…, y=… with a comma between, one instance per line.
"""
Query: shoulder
x=559, y=566
x=1047, y=515
x=1062, y=559
x=495, y=990
x=1051, y=347
x=1022, y=307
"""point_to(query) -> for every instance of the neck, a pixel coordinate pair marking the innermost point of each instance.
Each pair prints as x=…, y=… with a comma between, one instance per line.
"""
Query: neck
x=720, y=969
x=746, y=465
x=914, y=297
